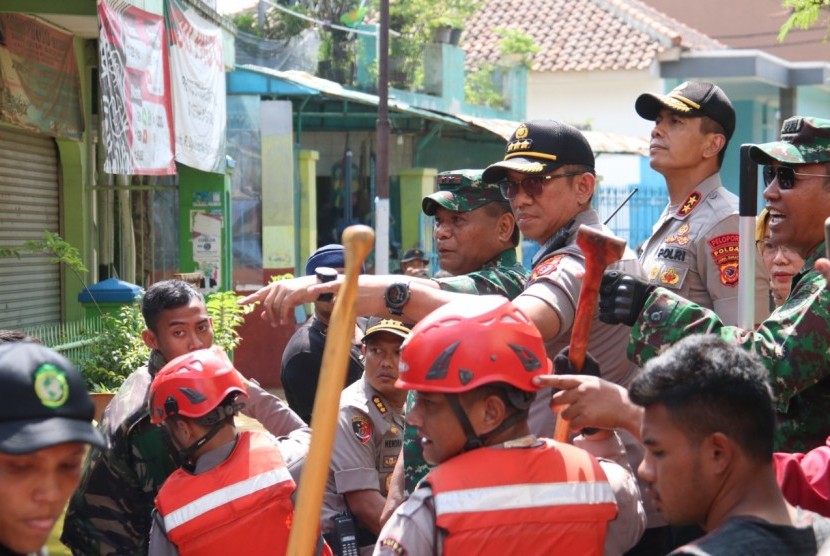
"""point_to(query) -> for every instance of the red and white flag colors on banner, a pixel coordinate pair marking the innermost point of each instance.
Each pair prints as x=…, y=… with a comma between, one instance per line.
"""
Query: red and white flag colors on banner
x=135, y=91
x=197, y=75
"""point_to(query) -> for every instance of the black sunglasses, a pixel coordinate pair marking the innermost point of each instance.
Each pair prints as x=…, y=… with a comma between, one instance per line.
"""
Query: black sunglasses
x=786, y=176
x=532, y=185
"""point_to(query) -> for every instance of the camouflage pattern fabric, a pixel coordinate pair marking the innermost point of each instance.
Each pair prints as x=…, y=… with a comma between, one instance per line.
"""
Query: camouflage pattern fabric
x=110, y=511
x=503, y=276
x=461, y=191
x=803, y=141
x=793, y=343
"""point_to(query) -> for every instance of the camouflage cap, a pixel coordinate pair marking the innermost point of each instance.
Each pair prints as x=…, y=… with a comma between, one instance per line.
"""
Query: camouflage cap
x=803, y=141
x=461, y=191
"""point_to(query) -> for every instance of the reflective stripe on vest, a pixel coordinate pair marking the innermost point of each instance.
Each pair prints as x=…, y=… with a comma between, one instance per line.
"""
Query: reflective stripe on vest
x=223, y=496
x=520, y=496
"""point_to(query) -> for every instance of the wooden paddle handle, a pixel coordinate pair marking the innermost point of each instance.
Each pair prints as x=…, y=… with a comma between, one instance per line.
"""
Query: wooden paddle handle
x=357, y=242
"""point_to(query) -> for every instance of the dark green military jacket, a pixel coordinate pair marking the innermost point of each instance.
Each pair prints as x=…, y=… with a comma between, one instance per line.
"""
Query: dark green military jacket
x=110, y=512
x=793, y=343
x=505, y=276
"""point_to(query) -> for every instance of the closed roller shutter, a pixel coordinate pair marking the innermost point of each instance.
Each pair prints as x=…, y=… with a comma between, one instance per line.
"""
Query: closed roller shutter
x=30, y=286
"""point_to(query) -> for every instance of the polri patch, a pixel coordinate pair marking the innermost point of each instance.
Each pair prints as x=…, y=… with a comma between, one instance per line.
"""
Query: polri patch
x=725, y=253
x=546, y=267
x=362, y=428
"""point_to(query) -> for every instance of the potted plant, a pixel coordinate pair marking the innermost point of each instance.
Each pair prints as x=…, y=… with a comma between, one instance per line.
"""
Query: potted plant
x=516, y=47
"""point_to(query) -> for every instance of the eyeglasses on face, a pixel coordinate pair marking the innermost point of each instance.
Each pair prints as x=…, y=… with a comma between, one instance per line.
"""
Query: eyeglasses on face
x=532, y=185
x=786, y=176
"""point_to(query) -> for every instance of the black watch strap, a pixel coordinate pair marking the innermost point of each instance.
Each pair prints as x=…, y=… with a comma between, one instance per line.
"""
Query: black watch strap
x=396, y=296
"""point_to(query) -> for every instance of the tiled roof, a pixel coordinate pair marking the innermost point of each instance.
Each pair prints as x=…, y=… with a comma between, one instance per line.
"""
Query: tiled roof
x=581, y=35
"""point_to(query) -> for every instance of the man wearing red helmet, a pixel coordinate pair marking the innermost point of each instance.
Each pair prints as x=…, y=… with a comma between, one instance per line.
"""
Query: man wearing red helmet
x=233, y=492
x=497, y=489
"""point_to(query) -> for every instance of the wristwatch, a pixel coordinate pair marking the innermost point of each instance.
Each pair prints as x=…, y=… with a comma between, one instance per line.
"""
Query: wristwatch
x=396, y=296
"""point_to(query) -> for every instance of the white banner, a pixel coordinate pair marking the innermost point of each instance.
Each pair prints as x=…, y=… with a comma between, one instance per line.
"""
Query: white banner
x=198, y=82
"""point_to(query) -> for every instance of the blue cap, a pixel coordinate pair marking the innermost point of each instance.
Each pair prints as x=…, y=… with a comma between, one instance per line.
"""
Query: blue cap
x=332, y=256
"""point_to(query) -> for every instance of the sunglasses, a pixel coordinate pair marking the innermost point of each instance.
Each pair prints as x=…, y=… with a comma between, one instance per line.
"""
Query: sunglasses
x=786, y=176
x=532, y=185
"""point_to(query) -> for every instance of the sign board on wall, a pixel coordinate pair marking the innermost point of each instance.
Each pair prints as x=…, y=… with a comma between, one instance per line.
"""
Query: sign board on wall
x=135, y=91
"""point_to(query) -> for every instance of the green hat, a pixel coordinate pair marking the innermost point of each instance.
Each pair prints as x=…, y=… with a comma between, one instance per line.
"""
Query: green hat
x=803, y=141
x=461, y=191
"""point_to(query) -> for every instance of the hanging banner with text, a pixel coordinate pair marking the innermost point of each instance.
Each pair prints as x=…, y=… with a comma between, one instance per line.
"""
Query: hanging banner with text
x=135, y=91
x=39, y=86
x=197, y=75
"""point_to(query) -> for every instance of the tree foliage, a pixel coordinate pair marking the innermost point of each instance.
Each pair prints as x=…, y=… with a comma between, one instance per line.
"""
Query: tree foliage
x=805, y=14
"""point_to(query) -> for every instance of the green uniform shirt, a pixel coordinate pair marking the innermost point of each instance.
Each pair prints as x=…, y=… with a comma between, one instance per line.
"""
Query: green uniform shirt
x=109, y=513
x=505, y=276
x=793, y=343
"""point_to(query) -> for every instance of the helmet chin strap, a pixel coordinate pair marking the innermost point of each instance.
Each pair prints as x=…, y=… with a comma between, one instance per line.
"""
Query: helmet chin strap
x=188, y=464
x=216, y=420
x=475, y=441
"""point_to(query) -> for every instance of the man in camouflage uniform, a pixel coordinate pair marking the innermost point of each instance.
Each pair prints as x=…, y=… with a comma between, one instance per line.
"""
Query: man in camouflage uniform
x=110, y=511
x=693, y=250
x=476, y=237
x=794, y=341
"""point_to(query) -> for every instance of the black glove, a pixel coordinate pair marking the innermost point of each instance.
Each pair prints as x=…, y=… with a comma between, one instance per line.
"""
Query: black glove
x=562, y=365
x=621, y=297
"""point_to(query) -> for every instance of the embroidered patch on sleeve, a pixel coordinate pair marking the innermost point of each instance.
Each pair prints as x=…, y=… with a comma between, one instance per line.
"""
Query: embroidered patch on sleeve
x=393, y=546
x=546, y=267
x=725, y=253
x=362, y=428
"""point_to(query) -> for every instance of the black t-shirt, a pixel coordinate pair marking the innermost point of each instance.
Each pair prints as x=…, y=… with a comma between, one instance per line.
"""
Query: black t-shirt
x=751, y=536
x=301, y=362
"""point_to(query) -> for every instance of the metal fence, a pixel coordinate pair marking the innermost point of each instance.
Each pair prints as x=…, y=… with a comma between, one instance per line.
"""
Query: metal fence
x=635, y=220
x=71, y=339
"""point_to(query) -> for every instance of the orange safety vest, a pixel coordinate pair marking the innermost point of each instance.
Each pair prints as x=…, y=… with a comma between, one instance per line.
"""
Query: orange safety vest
x=241, y=506
x=552, y=498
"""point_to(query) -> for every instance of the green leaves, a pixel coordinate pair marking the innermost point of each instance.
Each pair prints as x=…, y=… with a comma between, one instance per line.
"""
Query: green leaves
x=805, y=14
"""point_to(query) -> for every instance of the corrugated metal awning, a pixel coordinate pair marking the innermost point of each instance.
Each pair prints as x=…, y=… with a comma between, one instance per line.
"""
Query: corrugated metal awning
x=305, y=84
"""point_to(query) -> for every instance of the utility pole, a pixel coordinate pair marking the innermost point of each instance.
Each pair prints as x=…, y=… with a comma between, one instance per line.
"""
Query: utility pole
x=382, y=148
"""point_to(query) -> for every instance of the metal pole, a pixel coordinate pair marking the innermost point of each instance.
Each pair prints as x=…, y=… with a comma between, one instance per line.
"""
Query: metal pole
x=382, y=148
x=747, y=211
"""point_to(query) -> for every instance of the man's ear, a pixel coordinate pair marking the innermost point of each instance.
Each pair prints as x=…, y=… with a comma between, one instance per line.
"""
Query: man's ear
x=719, y=451
x=149, y=338
x=584, y=187
x=715, y=143
x=505, y=224
x=492, y=412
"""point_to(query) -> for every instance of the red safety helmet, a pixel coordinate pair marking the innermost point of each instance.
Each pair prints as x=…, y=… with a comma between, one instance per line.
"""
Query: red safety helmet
x=192, y=385
x=467, y=343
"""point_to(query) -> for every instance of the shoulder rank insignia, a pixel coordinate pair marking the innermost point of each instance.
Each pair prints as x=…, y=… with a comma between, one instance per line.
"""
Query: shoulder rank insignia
x=689, y=204
x=379, y=404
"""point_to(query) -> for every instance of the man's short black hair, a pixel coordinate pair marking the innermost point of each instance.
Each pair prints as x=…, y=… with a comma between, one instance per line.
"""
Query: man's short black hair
x=164, y=295
x=709, y=386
